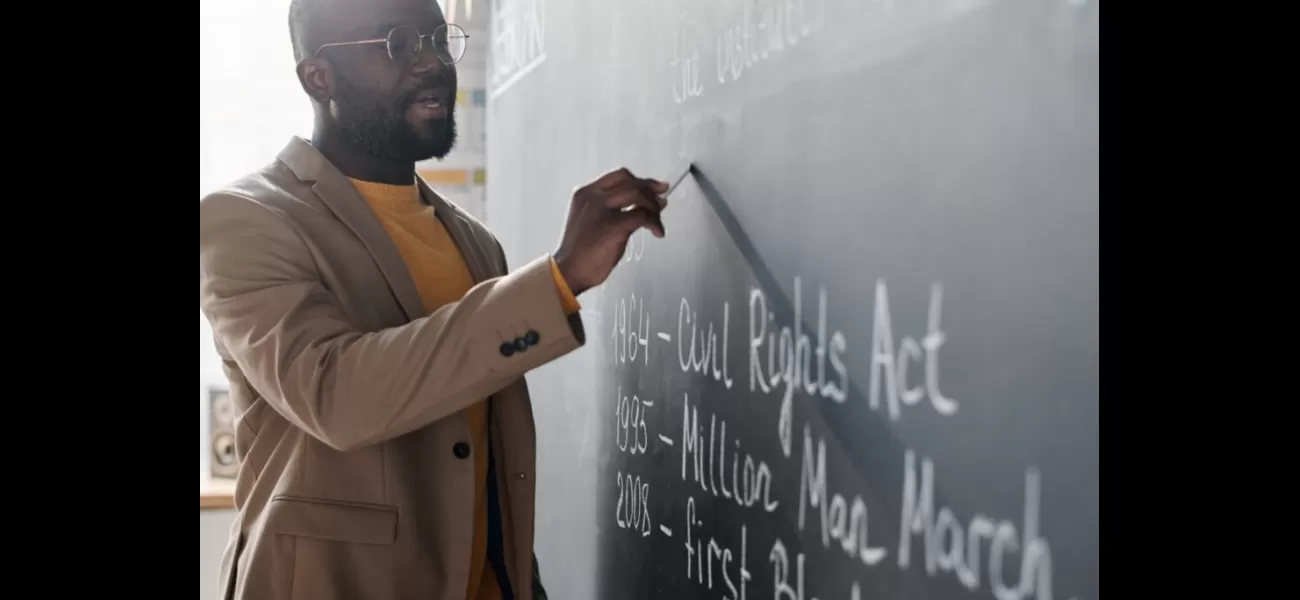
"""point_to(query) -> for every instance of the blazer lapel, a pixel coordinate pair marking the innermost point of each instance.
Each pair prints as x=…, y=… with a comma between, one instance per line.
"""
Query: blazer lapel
x=337, y=193
x=477, y=257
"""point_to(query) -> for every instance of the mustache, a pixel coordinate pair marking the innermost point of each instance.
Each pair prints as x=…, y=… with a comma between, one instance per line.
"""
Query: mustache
x=428, y=83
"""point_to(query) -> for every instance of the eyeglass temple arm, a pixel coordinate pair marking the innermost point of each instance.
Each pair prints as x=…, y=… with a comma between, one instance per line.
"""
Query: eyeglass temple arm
x=383, y=41
x=358, y=42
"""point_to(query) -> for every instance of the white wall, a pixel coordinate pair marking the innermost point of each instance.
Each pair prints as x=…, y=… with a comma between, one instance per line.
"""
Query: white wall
x=214, y=530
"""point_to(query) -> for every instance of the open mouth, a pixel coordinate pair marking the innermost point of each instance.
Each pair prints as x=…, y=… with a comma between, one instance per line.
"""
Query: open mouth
x=430, y=105
x=430, y=99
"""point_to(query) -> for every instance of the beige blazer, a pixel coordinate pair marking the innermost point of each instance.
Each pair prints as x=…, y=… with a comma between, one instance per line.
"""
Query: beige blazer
x=355, y=480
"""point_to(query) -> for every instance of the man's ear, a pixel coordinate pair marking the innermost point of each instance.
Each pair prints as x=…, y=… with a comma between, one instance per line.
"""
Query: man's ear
x=317, y=78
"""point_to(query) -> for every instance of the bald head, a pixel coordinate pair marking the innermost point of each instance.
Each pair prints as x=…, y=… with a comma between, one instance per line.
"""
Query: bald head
x=313, y=23
x=393, y=107
x=301, y=13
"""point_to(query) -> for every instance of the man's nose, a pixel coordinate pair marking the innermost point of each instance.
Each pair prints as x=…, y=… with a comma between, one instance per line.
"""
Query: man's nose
x=428, y=60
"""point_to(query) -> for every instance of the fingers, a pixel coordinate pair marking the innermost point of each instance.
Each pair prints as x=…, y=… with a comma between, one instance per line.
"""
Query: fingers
x=622, y=175
x=657, y=186
x=614, y=178
x=629, y=221
x=636, y=202
x=630, y=194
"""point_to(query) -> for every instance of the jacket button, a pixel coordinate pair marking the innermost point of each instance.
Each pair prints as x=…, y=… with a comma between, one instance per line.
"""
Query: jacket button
x=520, y=345
x=507, y=349
x=460, y=449
x=532, y=337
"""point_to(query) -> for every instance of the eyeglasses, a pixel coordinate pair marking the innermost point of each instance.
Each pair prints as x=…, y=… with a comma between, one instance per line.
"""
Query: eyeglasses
x=405, y=43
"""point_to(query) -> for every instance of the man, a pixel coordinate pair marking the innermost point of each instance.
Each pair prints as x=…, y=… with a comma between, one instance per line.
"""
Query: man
x=375, y=341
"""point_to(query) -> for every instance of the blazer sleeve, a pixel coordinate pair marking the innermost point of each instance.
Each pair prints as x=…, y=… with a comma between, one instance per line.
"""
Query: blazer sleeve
x=260, y=290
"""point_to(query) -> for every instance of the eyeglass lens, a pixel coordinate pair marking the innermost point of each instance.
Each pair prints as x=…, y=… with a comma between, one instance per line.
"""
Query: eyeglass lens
x=405, y=43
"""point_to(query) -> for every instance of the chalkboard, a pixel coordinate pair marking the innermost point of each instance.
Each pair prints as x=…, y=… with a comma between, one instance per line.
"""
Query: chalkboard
x=864, y=363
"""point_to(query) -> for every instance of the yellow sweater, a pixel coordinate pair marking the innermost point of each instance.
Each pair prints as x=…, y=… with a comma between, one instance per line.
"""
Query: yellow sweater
x=441, y=276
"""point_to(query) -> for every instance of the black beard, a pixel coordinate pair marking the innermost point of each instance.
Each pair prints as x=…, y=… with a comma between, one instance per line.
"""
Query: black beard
x=381, y=130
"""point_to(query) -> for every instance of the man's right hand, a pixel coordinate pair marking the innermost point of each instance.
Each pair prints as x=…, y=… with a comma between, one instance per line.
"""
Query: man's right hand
x=602, y=216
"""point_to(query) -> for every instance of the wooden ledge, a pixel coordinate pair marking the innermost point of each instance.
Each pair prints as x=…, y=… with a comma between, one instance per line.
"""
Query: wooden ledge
x=217, y=495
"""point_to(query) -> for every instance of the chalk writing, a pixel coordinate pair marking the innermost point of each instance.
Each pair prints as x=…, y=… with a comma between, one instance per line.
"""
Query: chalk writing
x=747, y=487
x=685, y=64
x=790, y=355
x=782, y=589
x=950, y=548
x=635, y=248
x=631, y=435
x=838, y=520
x=701, y=558
x=518, y=41
x=780, y=560
x=890, y=368
x=631, y=330
x=788, y=359
x=633, y=507
x=702, y=349
x=766, y=27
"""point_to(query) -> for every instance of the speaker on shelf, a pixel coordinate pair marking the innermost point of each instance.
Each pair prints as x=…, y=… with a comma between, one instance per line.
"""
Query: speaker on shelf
x=221, y=436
